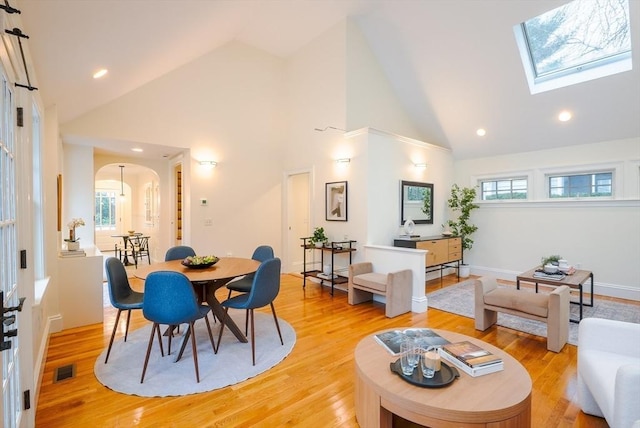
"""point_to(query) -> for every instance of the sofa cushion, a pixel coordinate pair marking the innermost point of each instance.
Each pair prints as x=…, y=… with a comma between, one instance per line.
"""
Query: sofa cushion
x=372, y=280
x=531, y=303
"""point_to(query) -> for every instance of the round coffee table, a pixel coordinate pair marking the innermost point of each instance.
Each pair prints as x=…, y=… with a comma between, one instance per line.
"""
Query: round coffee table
x=503, y=397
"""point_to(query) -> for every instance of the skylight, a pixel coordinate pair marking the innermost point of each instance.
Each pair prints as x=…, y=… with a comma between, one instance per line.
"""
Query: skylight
x=582, y=40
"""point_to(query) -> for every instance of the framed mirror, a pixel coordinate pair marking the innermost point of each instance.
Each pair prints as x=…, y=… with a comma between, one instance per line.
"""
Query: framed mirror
x=413, y=195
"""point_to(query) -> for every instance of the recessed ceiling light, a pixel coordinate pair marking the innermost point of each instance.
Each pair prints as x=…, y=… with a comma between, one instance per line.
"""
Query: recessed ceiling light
x=564, y=116
x=481, y=132
x=136, y=149
x=100, y=73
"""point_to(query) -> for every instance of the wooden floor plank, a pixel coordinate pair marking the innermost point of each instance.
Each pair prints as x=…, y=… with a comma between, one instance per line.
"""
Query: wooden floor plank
x=313, y=386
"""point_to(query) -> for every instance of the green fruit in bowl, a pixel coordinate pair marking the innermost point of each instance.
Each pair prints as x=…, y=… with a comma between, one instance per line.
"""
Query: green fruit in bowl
x=200, y=260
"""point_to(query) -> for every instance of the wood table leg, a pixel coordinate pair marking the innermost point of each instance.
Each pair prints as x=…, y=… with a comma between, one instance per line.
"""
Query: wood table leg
x=218, y=310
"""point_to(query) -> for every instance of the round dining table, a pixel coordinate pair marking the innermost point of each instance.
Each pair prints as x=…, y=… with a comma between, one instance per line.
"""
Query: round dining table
x=211, y=278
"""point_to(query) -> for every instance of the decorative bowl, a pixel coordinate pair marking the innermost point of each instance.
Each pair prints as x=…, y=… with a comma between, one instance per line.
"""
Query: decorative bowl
x=550, y=268
x=200, y=262
x=131, y=232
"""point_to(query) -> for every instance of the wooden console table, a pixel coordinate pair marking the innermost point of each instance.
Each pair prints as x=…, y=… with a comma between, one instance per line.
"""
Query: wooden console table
x=501, y=399
x=442, y=251
x=336, y=247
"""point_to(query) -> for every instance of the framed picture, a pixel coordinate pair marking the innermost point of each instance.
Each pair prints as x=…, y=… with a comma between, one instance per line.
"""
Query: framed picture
x=335, y=195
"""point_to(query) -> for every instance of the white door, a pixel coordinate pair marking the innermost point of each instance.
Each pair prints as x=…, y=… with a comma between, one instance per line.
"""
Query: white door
x=10, y=409
x=298, y=210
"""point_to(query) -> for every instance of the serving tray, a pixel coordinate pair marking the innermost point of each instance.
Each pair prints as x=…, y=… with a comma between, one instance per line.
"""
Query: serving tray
x=445, y=376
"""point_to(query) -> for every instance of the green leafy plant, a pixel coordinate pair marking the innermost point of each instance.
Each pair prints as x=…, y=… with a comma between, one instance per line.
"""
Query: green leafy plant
x=551, y=260
x=462, y=202
x=318, y=236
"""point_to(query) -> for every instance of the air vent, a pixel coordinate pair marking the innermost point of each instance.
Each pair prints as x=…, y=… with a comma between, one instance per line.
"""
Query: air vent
x=64, y=372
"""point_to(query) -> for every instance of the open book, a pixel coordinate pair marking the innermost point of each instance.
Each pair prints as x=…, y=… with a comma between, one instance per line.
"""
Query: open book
x=424, y=337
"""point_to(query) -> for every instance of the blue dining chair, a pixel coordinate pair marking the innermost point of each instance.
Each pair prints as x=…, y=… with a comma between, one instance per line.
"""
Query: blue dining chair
x=179, y=252
x=122, y=297
x=264, y=290
x=169, y=299
x=243, y=285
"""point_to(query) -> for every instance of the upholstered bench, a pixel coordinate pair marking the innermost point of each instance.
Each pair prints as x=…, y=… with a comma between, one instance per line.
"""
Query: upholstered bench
x=553, y=308
x=397, y=287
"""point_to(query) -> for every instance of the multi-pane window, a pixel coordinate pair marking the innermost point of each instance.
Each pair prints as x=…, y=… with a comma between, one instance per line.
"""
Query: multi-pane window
x=581, y=185
x=105, y=210
x=508, y=188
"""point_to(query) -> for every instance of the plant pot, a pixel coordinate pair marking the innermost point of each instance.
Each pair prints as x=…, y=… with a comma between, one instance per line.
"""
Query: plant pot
x=73, y=245
x=319, y=244
x=465, y=271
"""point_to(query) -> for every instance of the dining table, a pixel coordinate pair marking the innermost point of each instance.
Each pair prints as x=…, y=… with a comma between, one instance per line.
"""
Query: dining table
x=211, y=278
x=126, y=242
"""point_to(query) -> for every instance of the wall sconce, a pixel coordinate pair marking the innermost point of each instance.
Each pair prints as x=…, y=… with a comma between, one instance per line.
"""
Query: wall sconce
x=208, y=164
x=343, y=161
x=420, y=165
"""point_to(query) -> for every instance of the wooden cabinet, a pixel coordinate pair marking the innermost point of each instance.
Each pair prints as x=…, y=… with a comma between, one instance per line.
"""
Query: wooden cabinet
x=442, y=251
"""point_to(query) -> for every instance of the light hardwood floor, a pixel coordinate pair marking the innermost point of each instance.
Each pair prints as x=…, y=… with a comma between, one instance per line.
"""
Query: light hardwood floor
x=312, y=387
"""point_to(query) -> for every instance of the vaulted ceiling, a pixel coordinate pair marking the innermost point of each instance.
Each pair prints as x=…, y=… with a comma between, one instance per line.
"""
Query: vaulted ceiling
x=453, y=64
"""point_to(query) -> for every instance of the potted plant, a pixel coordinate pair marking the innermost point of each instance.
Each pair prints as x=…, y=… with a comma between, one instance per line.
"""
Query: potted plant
x=461, y=203
x=73, y=243
x=319, y=238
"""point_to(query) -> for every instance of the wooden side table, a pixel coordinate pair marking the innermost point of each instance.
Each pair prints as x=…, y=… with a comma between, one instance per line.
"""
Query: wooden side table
x=575, y=281
x=498, y=399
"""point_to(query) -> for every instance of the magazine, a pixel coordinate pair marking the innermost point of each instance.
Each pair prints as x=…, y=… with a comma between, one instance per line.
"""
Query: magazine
x=471, y=354
x=424, y=337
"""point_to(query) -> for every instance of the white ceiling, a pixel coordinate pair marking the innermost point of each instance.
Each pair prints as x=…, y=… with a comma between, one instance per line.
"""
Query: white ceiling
x=453, y=63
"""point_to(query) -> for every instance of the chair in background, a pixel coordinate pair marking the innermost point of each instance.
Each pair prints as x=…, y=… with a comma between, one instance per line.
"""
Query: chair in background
x=243, y=285
x=121, y=295
x=169, y=299
x=178, y=252
x=264, y=290
x=141, y=248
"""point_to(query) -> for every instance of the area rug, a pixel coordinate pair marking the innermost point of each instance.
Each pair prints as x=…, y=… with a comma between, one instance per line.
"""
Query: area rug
x=164, y=377
x=459, y=299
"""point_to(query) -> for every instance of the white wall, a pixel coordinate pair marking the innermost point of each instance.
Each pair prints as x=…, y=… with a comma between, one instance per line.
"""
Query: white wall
x=225, y=106
x=601, y=236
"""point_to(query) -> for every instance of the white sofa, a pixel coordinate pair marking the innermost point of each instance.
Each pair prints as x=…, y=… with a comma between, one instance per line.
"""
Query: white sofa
x=609, y=371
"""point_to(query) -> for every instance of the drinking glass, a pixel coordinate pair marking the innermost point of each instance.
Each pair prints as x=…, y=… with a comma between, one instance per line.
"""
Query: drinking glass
x=430, y=362
x=414, y=354
x=407, y=352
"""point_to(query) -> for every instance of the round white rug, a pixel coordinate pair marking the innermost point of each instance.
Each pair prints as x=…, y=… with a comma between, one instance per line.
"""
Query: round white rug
x=165, y=377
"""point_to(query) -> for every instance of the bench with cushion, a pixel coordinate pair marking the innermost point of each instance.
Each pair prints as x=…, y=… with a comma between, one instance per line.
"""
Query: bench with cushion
x=397, y=287
x=553, y=308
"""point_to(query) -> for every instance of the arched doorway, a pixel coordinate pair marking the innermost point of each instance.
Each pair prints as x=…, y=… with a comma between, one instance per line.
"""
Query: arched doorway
x=126, y=199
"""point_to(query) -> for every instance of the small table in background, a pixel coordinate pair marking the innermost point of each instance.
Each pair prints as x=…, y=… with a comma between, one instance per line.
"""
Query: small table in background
x=576, y=281
x=125, y=240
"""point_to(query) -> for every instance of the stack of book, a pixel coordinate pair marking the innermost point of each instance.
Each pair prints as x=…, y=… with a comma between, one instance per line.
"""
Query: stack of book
x=70, y=253
x=472, y=359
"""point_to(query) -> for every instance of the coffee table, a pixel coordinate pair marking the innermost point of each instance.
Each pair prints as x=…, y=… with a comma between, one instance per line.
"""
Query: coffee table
x=576, y=281
x=497, y=399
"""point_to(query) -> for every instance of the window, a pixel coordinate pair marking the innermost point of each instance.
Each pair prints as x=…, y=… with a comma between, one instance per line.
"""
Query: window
x=590, y=185
x=582, y=40
x=509, y=188
x=105, y=210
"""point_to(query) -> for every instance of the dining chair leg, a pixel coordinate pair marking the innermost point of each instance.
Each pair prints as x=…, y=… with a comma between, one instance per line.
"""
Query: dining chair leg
x=194, y=350
x=146, y=359
x=210, y=334
x=253, y=338
x=126, y=329
x=113, y=334
x=185, y=340
x=246, y=323
x=157, y=327
x=222, y=321
x=275, y=318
